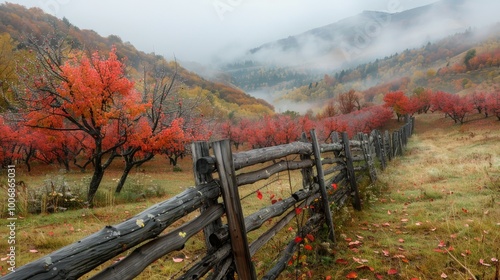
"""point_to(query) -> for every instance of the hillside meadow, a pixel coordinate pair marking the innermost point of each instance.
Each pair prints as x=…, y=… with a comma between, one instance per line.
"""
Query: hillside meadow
x=433, y=214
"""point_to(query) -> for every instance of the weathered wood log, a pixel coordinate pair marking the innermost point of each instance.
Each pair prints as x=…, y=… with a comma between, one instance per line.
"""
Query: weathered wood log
x=248, y=158
x=143, y=256
x=322, y=187
x=334, y=169
x=380, y=147
x=201, y=150
x=282, y=262
x=75, y=260
x=203, y=164
x=270, y=233
x=234, y=211
x=330, y=147
x=207, y=263
x=368, y=158
x=255, y=220
x=265, y=173
x=350, y=173
x=395, y=144
x=306, y=172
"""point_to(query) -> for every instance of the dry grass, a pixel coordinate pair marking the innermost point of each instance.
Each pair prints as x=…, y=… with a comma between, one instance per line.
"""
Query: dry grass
x=437, y=212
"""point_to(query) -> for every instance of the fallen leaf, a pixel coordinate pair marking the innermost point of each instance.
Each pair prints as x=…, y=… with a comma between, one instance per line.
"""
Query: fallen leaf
x=298, y=239
x=481, y=261
x=177, y=260
x=139, y=222
x=259, y=195
x=401, y=240
x=352, y=275
x=443, y=275
x=404, y=220
x=308, y=247
x=33, y=251
x=342, y=261
x=386, y=253
x=365, y=267
x=392, y=271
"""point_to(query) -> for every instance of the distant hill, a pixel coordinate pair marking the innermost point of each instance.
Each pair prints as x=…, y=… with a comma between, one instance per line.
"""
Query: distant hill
x=436, y=66
x=285, y=63
x=21, y=22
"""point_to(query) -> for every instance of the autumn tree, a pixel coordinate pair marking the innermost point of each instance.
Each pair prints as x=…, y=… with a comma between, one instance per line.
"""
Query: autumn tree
x=329, y=110
x=468, y=56
x=479, y=102
x=143, y=143
x=494, y=104
x=88, y=93
x=348, y=102
x=398, y=101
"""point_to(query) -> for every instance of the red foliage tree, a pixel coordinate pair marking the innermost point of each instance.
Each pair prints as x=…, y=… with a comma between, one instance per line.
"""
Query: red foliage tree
x=9, y=144
x=494, y=104
x=399, y=102
x=452, y=105
x=479, y=102
x=89, y=94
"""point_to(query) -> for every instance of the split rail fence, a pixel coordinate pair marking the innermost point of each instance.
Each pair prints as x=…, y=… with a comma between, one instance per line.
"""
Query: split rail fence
x=338, y=163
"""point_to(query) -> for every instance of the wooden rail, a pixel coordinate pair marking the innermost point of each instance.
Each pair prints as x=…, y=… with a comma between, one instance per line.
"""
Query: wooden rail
x=228, y=250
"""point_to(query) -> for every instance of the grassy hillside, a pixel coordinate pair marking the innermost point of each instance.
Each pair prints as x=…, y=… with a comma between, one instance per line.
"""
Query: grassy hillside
x=434, y=212
x=22, y=23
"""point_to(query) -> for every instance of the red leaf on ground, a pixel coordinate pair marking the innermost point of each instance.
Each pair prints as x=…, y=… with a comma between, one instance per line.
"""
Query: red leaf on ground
x=342, y=261
x=308, y=247
x=365, y=267
x=298, y=239
x=259, y=194
x=352, y=275
x=392, y=271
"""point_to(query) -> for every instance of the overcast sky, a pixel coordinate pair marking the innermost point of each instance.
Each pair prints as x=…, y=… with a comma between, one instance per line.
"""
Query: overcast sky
x=198, y=30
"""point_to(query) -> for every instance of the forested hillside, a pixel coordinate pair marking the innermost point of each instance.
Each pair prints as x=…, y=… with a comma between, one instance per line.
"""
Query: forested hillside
x=462, y=63
x=18, y=24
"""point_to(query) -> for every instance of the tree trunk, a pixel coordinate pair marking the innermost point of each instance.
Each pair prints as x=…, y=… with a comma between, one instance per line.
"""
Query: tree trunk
x=95, y=182
x=123, y=178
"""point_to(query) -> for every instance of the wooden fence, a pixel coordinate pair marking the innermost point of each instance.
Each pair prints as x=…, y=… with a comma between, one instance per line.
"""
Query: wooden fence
x=228, y=251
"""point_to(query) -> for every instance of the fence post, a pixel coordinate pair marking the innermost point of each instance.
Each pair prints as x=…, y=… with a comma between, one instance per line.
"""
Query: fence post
x=234, y=212
x=367, y=153
x=322, y=187
x=199, y=150
x=380, y=147
x=350, y=172
x=395, y=144
x=387, y=145
x=307, y=173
